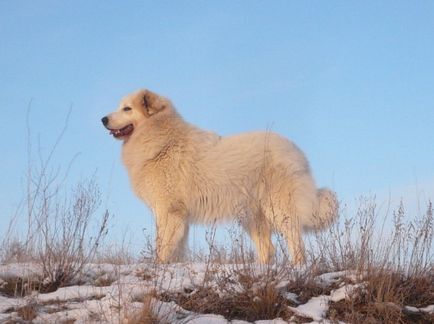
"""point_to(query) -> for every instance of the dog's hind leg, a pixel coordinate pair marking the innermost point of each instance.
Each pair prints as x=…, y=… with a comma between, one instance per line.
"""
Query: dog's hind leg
x=291, y=230
x=181, y=248
x=172, y=234
x=260, y=231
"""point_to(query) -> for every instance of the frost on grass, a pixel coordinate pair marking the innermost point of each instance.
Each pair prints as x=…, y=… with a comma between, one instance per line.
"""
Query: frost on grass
x=353, y=277
x=125, y=296
x=163, y=290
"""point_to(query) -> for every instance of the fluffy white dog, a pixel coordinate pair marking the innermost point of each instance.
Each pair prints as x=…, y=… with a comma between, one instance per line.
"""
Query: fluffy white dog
x=189, y=175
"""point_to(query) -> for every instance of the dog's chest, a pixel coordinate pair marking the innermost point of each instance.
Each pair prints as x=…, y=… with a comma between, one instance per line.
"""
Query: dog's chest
x=153, y=180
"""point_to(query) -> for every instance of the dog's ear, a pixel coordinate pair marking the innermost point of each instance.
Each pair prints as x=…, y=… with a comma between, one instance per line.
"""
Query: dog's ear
x=153, y=103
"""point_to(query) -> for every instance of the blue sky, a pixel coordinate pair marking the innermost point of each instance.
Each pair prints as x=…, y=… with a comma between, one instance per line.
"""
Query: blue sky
x=352, y=83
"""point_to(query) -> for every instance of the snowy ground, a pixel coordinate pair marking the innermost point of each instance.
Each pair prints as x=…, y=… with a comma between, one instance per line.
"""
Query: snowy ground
x=113, y=293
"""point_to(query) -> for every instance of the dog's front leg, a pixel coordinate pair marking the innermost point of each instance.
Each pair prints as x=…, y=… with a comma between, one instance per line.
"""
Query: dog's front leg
x=172, y=234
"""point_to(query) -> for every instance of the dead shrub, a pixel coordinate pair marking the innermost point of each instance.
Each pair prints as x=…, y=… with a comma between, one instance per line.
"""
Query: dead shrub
x=58, y=221
x=66, y=245
x=19, y=287
x=264, y=303
x=28, y=312
x=146, y=314
x=237, y=291
x=396, y=267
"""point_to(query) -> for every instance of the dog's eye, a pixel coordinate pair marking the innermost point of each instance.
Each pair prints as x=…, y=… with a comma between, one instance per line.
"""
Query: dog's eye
x=127, y=109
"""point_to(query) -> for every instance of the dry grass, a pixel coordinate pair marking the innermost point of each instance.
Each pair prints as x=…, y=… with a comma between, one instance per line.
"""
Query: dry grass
x=113, y=254
x=390, y=253
x=65, y=245
x=384, y=297
x=19, y=287
x=395, y=266
x=146, y=314
x=28, y=312
x=247, y=300
x=57, y=221
x=396, y=269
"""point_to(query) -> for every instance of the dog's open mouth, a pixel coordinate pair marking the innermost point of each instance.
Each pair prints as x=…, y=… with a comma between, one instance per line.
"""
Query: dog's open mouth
x=125, y=131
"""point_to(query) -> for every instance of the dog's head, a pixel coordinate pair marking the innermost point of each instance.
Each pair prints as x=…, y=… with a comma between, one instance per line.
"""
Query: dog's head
x=134, y=110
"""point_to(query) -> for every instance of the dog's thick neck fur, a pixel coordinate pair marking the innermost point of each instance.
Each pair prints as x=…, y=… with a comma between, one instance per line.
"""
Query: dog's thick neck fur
x=165, y=139
x=161, y=134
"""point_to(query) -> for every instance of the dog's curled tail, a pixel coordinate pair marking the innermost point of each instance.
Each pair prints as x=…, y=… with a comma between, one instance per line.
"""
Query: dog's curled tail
x=326, y=213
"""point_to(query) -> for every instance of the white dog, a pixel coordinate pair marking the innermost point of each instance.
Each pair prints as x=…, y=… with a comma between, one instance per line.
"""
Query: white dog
x=188, y=175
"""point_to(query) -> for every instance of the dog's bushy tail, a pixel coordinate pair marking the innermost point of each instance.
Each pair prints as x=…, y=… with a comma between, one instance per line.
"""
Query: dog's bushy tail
x=326, y=213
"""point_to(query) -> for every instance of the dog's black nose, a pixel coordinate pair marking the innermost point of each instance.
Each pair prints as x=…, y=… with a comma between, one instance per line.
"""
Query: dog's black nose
x=104, y=121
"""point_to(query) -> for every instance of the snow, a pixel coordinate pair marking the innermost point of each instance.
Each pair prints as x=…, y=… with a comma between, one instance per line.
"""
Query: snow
x=208, y=319
x=8, y=303
x=218, y=319
x=316, y=308
x=22, y=270
x=292, y=297
x=327, y=279
x=75, y=292
x=411, y=309
x=128, y=286
x=4, y=318
x=343, y=292
x=429, y=309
